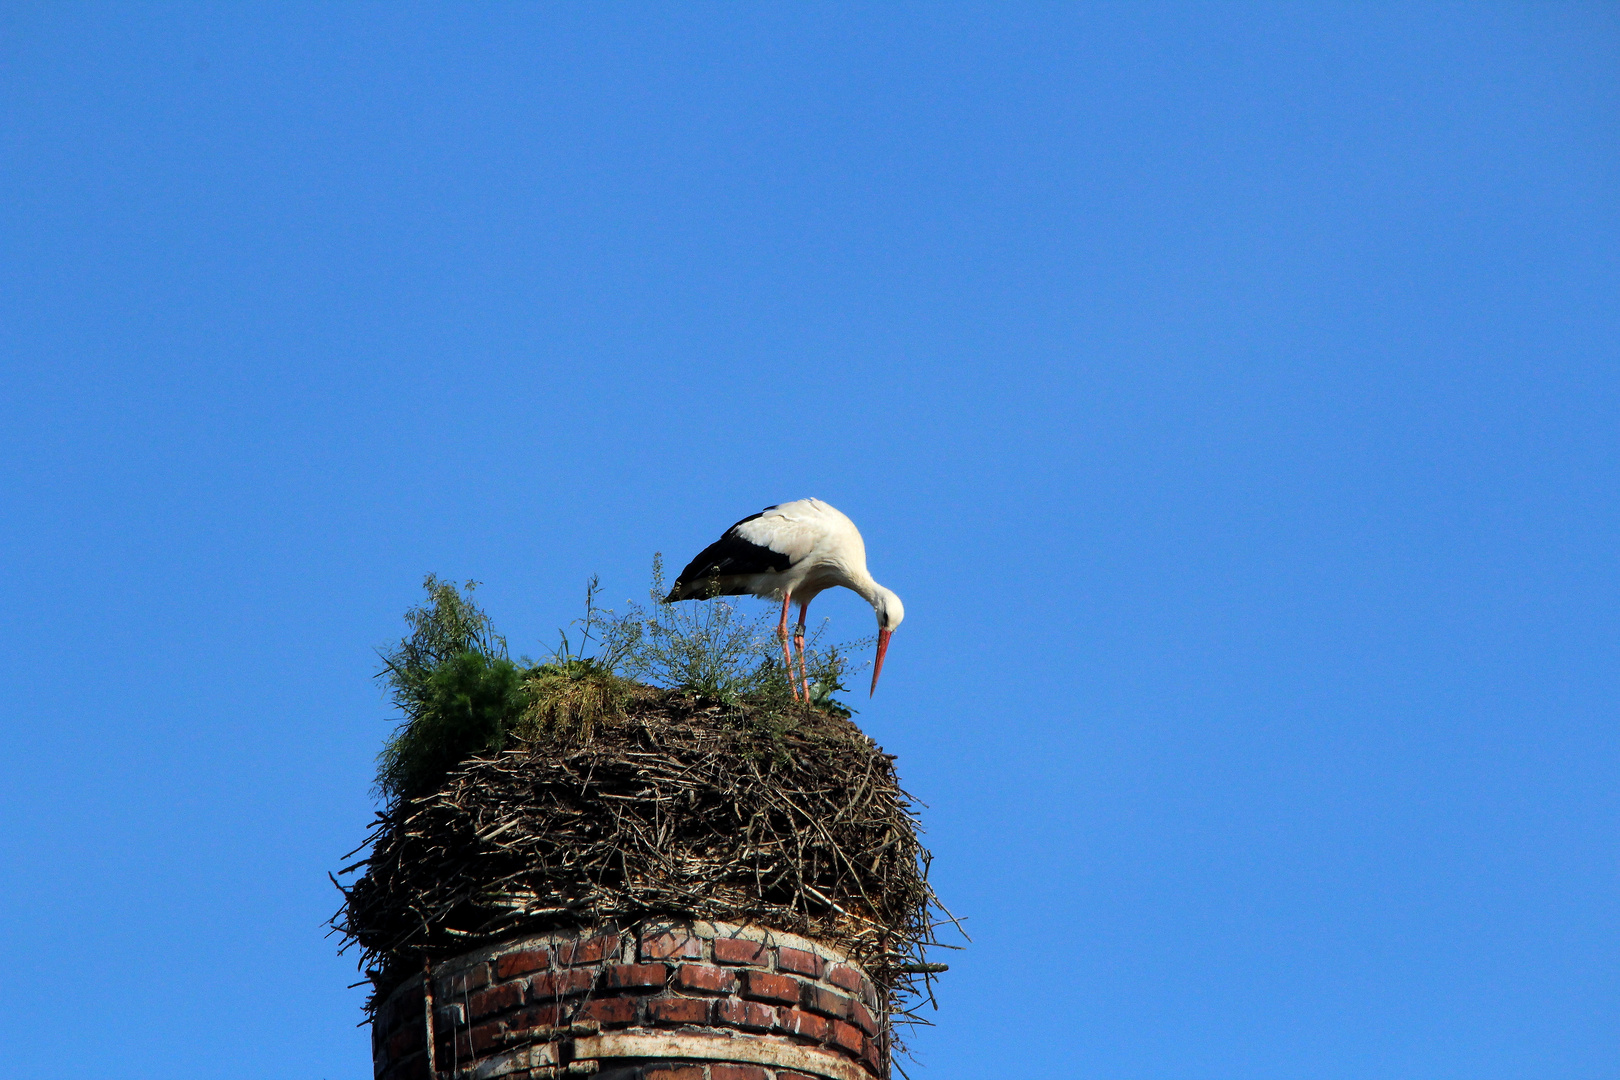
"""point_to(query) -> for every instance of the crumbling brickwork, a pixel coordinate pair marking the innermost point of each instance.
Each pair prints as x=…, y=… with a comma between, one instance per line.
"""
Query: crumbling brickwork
x=658, y=1001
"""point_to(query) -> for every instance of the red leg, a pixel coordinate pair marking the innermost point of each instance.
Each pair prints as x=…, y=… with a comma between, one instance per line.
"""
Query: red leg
x=787, y=653
x=798, y=640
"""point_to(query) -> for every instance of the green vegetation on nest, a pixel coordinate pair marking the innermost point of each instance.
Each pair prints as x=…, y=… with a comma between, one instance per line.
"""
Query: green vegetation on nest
x=461, y=695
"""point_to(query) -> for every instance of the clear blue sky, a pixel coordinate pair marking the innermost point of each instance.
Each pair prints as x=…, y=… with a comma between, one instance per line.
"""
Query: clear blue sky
x=1229, y=390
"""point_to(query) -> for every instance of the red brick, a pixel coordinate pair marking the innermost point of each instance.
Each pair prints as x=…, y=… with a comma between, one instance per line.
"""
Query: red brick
x=736, y=1072
x=805, y=963
x=675, y=1072
x=404, y=1041
x=449, y=1047
x=826, y=1002
x=521, y=963
x=669, y=946
x=803, y=1024
x=609, y=1012
x=535, y=1016
x=847, y=1037
x=401, y=1009
x=744, y=1014
x=635, y=976
x=678, y=1011
x=862, y=1018
x=871, y=1058
x=845, y=977
x=556, y=984
x=451, y=987
x=783, y=1074
x=705, y=978
x=485, y=1037
x=414, y=1069
x=738, y=951
x=591, y=951
x=763, y=986
x=495, y=1000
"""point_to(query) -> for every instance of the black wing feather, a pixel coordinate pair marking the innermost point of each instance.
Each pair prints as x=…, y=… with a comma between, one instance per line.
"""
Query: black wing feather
x=729, y=556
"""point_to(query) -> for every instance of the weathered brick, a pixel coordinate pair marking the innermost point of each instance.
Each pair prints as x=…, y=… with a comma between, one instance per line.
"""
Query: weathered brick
x=803, y=1024
x=826, y=1002
x=862, y=1018
x=405, y=1041
x=738, y=951
x=678, y=1011
x=414, y=1069
x=763, y=986
x=847, y=1037
x=635, y=976
x=590, y=951
x=797, y=960
x=396, y=1012
x=473, y=979
x=705, y=978
x=736, y=1072
x=450, y=1046
x=521, y=963
x=495, y=999
x=408, y=1005
x=872, y=1058
x=486, y=1037
x=535, y=1016
x=556, y=984
x=609, y=1012
x=845, y=977
x=744, y=1014
x=784, y=1074
x=671, y=946
x=673, y=1072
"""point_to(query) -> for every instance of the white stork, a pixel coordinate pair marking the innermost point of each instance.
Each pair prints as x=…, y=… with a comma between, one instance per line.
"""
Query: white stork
x=791, y=552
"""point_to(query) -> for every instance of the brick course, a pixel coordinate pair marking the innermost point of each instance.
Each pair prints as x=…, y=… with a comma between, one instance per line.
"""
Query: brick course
x=514, y=1011
x=797, y=960
x=635, y=976
x=671, y=946
x=521, y=963
x=678, y=1011
x=736, y=1072
x=706, y=979
x=739, y=951
x=749, y=1015
x=763, y=986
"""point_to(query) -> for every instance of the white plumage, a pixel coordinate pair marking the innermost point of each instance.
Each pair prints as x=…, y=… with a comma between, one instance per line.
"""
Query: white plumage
x=791, y=552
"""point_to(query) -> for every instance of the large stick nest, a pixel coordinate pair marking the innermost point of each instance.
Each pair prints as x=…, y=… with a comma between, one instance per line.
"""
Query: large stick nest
x=679, y=808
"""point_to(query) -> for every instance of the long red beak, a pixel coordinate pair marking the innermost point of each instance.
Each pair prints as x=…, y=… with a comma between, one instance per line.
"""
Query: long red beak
x=877, y=668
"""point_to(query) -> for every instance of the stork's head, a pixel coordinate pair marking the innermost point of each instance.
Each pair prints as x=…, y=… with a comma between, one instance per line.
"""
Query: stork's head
x=889, y=613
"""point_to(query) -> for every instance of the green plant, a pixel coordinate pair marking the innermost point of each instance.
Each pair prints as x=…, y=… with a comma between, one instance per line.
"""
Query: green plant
x=571, y=693
x=468, y=706
x=827, y=668
x=714, y=649
x=453, y=683
x=710, y=648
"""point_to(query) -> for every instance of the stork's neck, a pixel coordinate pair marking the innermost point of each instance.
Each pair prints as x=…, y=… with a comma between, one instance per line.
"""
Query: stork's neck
x=884, y=602
x=864, y=584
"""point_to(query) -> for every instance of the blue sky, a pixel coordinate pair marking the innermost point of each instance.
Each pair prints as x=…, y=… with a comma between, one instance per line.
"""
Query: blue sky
x=1229, y=390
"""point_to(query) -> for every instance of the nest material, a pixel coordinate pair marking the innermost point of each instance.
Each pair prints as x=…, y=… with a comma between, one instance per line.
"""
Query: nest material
x=679, y=808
